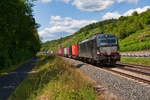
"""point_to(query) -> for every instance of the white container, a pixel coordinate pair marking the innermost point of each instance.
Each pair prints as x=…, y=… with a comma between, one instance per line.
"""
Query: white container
x=65, y=51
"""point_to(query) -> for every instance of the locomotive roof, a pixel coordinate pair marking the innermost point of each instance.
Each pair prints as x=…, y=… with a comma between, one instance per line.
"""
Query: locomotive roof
x=99, y=35
x=106, y=35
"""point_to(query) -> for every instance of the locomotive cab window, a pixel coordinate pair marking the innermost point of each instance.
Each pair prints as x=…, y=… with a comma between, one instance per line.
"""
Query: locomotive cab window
x=107, y=40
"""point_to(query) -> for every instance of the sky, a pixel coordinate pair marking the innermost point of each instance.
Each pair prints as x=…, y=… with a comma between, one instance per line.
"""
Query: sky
x=60, y=18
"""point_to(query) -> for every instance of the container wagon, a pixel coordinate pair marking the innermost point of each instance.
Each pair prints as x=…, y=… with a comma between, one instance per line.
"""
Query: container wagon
x=75, y=51
x=65, y=52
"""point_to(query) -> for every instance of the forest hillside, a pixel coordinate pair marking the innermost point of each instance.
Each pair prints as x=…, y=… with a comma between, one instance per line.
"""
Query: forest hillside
x=133, y=33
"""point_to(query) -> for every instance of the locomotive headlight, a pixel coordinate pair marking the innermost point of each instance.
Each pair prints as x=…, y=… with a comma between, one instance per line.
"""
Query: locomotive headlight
x=98, y=52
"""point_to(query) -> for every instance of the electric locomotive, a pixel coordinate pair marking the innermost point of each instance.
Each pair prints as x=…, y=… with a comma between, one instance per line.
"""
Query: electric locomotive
x=101, y=49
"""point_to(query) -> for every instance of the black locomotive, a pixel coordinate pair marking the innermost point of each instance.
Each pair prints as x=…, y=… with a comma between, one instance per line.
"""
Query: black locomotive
x=101, y=48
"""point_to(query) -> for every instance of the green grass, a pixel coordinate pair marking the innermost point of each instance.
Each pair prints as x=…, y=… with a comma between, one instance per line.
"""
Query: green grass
x=144, y=61
x=51, y=80
x=136, y=42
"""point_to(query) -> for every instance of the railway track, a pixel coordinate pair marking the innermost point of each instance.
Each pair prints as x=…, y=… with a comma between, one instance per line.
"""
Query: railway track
x=146, y=67
x=140, y=73
x=129, y=76
x=135, y=71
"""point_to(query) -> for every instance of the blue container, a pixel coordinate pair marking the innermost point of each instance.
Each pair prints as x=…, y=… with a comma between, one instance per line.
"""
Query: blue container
x=70, y=50
x=55, y=52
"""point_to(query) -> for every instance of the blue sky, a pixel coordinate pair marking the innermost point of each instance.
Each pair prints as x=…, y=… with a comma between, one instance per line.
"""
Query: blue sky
x=68, y=16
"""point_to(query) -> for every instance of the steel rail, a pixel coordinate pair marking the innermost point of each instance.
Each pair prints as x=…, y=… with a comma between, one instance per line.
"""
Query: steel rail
x=146, y=67
x=128, y=76
x=134, y=71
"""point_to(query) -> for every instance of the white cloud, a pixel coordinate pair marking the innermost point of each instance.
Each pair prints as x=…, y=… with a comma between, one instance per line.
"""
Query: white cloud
x=92, y=5
x=111, y=15
x=97, y=5
x=66, y=25
x=116, y=15
x=130, y=1
x=139, y=10
x=46, y=1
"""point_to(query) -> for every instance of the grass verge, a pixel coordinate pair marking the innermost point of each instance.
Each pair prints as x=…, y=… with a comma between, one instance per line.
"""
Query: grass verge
x=54, y=79
x=136, y=60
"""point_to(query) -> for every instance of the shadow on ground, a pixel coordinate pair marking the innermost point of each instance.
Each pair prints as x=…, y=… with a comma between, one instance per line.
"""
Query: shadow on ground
x=78, y=66
x=11, y=81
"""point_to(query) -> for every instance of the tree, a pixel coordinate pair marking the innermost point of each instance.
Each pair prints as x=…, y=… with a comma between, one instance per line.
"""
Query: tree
x=18, y=32
x=135, y=13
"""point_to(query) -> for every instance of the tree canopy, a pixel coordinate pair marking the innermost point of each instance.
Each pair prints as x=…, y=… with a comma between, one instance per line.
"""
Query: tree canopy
x=19, y=40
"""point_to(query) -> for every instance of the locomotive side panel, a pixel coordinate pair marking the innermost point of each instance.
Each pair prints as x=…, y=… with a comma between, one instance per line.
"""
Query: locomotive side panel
x=87, y=49
x=82, y=50
x=94, y=50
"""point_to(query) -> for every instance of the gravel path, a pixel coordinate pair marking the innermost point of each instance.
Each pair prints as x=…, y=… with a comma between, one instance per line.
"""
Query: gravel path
x=122, y=87
x=10, y=82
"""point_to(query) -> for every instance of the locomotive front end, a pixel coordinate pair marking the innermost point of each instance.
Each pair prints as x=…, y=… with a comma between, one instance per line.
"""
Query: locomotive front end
x=108, y=49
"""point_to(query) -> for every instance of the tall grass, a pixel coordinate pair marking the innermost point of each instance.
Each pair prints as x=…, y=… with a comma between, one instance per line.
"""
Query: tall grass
x=54, y=79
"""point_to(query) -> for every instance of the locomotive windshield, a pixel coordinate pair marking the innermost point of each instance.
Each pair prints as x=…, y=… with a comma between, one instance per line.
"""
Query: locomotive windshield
x=107, y=40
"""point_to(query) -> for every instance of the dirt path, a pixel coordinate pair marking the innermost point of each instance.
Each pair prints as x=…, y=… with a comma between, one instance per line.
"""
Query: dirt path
x=11, y=81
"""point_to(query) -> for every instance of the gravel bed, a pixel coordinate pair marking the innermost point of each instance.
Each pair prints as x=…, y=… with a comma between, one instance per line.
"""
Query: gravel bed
x=122, y=87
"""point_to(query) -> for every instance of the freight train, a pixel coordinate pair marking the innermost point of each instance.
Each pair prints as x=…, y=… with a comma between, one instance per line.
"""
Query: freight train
x=99, y=49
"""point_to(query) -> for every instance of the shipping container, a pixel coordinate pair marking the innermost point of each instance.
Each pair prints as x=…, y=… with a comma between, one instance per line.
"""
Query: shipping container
x=70, y=51
x=65, y=51
x=62, y=51
x=54, y=51
x=75, y=50
x=57, y=52
x=41, y=52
